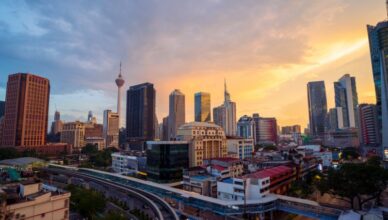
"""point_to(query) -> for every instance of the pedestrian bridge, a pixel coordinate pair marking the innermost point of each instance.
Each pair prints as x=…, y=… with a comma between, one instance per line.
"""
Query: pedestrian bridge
x=264, y=205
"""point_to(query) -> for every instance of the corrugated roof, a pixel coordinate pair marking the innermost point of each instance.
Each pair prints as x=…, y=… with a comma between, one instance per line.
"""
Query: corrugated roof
x=270, y=172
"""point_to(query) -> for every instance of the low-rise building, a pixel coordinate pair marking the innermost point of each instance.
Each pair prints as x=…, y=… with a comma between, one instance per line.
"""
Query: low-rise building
x=128, y=162
x=99, y=142
x=224, y=167
x=242, y=147
x=196, y=179
x=33, y=200
x=280, y=178
x=238, y=189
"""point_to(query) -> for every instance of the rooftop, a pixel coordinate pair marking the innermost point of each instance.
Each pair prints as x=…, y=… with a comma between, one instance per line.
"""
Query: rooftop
x=270, y=172
x=225, y=159
x=199, y=124
x=21, y=161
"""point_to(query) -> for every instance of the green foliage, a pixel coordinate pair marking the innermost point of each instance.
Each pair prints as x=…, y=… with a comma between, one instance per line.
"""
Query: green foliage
x=140, y=214
x=112, y=216
x=304, y=187
x=350, y=153
x=100, y=158
x=349, y=182
x=86, y=202
x=374, y=161
x=89, y=149
x=11, y=153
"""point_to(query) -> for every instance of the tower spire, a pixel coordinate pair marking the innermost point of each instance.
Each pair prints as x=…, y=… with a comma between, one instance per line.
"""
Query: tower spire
x=120, y=65
x=226, y=93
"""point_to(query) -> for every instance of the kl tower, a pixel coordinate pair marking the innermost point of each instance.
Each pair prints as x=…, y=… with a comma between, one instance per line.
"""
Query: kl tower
x=119, y=83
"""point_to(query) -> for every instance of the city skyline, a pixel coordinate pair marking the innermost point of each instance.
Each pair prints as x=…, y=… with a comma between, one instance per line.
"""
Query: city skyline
x=259, y=82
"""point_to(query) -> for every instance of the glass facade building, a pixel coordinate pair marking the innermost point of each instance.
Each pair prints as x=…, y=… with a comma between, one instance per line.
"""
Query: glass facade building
x=378, y=45
x=140, y=115
x=202, y=107
x=317, y=102
x=166, y=160
x=346, y=98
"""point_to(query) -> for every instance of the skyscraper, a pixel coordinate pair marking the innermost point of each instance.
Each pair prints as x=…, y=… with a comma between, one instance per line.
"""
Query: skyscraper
x=378, y=45
x=368, y=125
x=119, y=82
x=317, y=103
x=246, y=128
x=225, y=115
x=256, y=119
x=176, y=116
x=111, y=129
x=202, y=107
x=347, y=99
x=140, y=115
x=57, y=124
x=26, y=110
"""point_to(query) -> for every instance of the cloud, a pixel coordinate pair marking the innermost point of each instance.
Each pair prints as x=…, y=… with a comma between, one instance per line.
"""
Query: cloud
x=259, y=46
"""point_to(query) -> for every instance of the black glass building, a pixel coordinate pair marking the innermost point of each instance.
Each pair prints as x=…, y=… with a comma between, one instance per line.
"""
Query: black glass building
x=166, y=160
x=317, y=102
x=2, y=108
x=140, y=121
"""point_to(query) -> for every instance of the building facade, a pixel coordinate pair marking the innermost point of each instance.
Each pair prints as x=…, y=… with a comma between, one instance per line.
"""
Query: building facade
x=202, y=107
x=206, y=140
x=291, y=129
x=346, y=98
x=246, y=127
x=73, y=133
x=26, y=110
x=127, y=163
x=166, y=160
x=241, y=147
x=140, y=115
x=111, y=128
x=225, y=115
x=57, y=124
x=317, y=103
x=378, y=45
x=368, y=125
x=268, y=131
x=177, y=113
x=34, y=200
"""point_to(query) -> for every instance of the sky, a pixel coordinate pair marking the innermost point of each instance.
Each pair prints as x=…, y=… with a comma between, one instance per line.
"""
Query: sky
x=266, y=50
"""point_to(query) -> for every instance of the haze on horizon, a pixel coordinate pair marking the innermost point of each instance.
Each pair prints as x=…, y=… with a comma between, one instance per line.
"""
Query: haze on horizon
x=267, y=51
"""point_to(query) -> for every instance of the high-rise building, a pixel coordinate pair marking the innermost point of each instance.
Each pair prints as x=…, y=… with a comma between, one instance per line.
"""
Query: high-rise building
x=225, y=114
x=74, y=133
x=246, y=128
x=2, y=108
x=57, y=124
x=111, y=129
x=26, y=110
x=268, y=132
x=378, y=45
x=176, y=116
x=140, y=115
x=165, y=129
x=334, y=119
x=256, y=119
x=291, y=129
x=317, y=103
x=206, y=141
x=119, y=82
x=347, y=99
x=166, y=160
x=368, y=125
x=202, y=107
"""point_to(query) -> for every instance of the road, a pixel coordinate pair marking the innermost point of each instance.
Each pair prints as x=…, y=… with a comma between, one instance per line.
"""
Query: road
x=161, y=209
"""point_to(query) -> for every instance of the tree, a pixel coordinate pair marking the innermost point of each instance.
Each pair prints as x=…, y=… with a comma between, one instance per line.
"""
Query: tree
x=8, y=153
x=89, y=149
x=350, y=153
x=355, y=182
x=86, y=202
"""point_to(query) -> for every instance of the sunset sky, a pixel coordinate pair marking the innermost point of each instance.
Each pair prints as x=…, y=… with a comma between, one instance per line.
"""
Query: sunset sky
x=266, y=50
